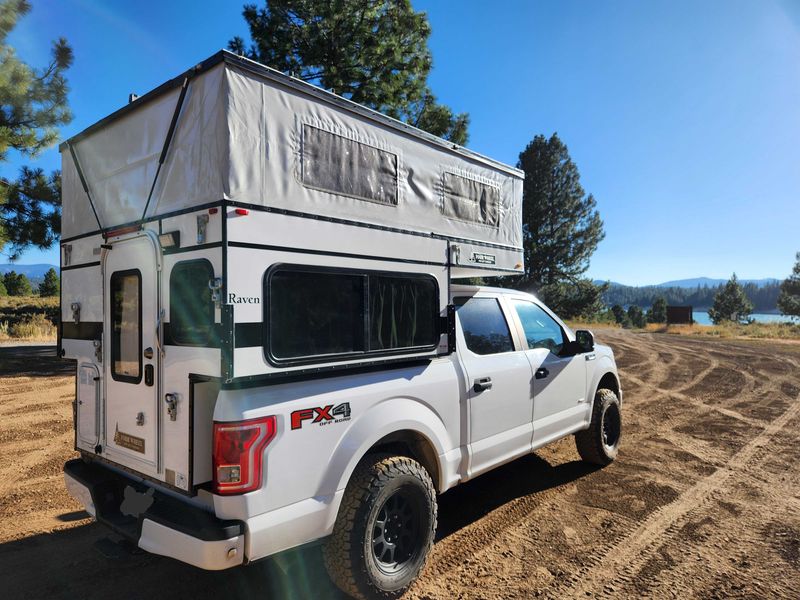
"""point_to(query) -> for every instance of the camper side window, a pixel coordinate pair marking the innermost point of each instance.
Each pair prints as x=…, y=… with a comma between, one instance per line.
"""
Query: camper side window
x=126, y=326
x=320, y=315
x=191, y=311
x=337, y=164
x=470, y=200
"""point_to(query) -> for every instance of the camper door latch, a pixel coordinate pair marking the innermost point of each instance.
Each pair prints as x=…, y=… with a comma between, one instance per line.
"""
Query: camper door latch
x=172, y=406
x=75, y=307
x=98, y=350
x=215, y=285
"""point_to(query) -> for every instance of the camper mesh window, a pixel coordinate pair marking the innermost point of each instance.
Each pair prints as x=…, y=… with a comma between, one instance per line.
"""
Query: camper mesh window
x=191, y=310
x=339, y=165
x=470, y=200
x=319, y=314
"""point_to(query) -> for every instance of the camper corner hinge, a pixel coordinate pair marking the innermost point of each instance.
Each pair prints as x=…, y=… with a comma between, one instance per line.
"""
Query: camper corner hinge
x=172, y=406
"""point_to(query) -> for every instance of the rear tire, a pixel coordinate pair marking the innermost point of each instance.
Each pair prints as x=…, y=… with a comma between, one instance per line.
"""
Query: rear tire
x=599, y=444
x=384, y=531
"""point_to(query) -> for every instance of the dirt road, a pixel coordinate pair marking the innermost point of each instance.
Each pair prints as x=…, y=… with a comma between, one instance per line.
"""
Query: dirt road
x=703, y=501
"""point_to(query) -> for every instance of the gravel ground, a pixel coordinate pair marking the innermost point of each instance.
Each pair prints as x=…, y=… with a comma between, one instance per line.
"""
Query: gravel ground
x=703, y=501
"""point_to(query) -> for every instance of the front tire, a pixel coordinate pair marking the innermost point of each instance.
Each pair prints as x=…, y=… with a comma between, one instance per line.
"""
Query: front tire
x=384, y=531
x=599, y=444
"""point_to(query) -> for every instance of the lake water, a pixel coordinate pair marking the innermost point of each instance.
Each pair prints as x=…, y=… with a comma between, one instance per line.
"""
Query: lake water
x=701, y=318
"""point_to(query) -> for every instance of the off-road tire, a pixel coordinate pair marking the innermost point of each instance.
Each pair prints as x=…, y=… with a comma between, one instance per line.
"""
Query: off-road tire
x=349, y=553
x=599, y=444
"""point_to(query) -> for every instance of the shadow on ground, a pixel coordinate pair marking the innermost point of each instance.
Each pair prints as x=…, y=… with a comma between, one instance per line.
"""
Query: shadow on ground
x=72, y=567
x=33, y=361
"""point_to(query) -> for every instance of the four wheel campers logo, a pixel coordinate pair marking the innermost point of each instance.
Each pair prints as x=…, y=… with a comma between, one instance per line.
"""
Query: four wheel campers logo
x=323, y=415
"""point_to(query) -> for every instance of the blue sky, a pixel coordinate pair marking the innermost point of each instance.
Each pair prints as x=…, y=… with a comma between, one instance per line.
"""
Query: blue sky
x=683, y=117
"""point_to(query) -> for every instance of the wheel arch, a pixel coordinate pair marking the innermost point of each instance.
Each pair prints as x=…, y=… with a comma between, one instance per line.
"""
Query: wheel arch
x=420, y=434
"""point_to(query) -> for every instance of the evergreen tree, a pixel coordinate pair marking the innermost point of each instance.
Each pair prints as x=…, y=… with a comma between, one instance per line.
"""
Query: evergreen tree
x=789, y=298
x=33, y=103
x=581, y=299
x=50, y=286
x=636, y=316
x=3, y=290
x=373, y=52
x=560, y=226
x=730, y=304
x=619, y=313
x=658, y=312
x=17, y=284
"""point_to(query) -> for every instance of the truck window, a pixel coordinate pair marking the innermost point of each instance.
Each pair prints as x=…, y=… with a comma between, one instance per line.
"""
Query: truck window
x=541, y=330
x=485, y=328
x=314, y=315
x=191, y=311
x=126, y=326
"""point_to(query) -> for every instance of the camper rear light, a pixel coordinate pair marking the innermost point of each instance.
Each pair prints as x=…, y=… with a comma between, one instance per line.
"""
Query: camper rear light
x=242, y=211
x=238, y=454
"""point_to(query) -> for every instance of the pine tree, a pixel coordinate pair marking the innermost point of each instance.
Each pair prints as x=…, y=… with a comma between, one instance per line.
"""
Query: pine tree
x=561, y=227
x=34, y=104
x=789, y=297
x=730, y=304
x=658, y=312
x=636, y=316
x=374, y=53
x=3, y=290
x=50, y=286
x=619, y=313
x=17, y=284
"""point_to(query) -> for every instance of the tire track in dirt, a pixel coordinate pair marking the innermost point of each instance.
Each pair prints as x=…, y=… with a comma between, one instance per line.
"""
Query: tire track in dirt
x=626, y=557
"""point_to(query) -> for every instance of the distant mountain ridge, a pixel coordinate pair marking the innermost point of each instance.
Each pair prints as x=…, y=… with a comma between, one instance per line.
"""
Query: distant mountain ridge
x=696, y=282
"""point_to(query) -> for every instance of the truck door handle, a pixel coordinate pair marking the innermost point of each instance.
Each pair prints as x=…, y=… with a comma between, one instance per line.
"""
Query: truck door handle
x=541, y=373
x=481, y=384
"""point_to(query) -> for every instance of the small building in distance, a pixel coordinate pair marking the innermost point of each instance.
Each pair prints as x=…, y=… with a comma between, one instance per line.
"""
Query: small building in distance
x=679, y=315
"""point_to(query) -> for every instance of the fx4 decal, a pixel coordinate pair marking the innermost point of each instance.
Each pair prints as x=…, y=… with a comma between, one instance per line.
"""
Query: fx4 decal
x=324, y=415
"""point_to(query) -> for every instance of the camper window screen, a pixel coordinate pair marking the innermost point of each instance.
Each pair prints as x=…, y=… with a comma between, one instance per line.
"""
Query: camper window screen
x=319, y=315
x=339, y=165
x=470, y=200
x=126, y=326
x=191, y=310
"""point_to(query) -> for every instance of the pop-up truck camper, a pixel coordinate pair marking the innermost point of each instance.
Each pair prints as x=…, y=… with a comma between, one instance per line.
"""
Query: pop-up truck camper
x=259, y=294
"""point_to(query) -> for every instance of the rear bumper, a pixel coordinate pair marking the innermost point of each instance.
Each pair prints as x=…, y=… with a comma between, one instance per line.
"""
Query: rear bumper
x=155, y=521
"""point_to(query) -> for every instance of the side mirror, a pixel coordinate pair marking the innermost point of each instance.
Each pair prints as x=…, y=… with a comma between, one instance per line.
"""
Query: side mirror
x=584, y=339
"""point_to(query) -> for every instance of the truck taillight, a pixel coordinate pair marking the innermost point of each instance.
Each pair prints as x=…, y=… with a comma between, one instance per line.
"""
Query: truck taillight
x=238, y=454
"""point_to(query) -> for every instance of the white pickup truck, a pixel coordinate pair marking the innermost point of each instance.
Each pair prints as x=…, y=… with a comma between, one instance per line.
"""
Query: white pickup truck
x=257, y=290
x=357, y=461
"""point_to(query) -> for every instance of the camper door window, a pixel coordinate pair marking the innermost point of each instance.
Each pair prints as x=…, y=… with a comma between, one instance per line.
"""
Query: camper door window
x=126, y=326
x=318, y=314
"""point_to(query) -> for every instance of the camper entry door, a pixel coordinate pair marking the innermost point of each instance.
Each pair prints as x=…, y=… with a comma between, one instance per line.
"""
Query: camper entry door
x=132, y=352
